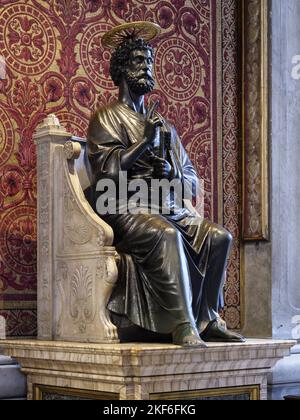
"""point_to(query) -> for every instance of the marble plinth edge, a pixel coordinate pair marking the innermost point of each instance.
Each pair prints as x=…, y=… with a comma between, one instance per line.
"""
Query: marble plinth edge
x=284, y=379
x=141, y=371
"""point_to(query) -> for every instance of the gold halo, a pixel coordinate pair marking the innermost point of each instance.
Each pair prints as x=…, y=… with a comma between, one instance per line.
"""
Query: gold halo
x=144, y=30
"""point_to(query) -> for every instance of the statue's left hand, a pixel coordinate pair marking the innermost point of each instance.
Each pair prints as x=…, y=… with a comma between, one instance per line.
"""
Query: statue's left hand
x=162, y=168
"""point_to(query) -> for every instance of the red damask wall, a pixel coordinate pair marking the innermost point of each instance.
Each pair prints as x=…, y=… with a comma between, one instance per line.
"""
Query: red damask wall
x=55, y=63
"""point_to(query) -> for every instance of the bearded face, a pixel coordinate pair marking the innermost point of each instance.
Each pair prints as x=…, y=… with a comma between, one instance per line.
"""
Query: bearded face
x=138, y=74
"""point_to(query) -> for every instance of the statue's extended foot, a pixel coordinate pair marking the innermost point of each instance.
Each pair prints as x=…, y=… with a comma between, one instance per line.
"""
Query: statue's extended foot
x=216, y=331
x=187, y=336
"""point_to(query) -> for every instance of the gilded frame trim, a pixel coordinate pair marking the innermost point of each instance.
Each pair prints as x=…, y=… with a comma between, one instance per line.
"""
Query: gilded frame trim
x=255, y=120
x=253, y=391
x=38, y=391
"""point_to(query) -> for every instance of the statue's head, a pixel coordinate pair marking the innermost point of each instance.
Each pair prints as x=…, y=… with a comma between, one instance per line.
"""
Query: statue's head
x=132, y=61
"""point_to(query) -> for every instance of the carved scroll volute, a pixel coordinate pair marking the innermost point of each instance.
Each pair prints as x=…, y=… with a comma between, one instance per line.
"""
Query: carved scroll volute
x=72, y=150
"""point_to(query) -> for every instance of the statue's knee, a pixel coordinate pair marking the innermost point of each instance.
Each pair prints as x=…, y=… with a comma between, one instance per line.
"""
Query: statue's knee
x=223, y=237
x=171, y=233
x=227, y=237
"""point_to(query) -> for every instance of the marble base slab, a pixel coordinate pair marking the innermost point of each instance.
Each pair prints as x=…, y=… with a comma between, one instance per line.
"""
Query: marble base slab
x=144, y=371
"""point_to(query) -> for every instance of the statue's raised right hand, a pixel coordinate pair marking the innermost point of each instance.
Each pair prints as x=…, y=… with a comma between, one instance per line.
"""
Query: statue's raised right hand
x=152, y=124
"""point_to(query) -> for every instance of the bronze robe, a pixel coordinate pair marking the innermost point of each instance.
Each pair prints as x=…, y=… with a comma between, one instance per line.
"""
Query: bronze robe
x=170, y=272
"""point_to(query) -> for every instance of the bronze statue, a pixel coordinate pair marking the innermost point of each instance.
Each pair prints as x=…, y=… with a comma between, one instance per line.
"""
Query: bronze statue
x=171, y=272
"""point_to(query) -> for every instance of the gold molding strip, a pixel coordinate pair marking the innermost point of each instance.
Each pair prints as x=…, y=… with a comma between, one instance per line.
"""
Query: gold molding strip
x=255, y=72
x=39, y=390
x=253, y=391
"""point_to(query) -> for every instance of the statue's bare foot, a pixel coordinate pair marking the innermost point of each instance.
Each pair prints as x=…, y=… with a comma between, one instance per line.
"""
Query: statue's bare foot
x=217, y=331
x=187, y=336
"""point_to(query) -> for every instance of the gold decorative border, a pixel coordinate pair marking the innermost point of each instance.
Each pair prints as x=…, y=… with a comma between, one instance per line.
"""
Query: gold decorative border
x=219, y=99
x=255, y=74
x=38, y=391
x=253, y=391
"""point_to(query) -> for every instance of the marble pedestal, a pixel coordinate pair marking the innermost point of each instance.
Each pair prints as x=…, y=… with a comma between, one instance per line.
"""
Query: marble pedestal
x=146, y=371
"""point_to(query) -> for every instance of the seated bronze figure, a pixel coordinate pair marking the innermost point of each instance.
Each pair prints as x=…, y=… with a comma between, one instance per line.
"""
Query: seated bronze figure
x=171, y=272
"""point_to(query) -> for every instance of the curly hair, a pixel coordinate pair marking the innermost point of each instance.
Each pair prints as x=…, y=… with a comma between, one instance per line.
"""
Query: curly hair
x=121, y=55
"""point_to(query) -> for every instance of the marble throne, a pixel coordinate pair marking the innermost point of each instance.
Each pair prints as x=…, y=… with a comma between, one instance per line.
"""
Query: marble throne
x=76, y=261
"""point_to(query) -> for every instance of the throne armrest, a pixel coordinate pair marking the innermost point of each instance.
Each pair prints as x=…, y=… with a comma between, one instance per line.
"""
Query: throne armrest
x=88, y=230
